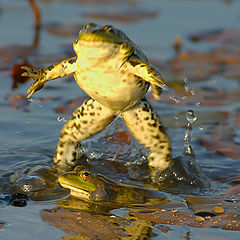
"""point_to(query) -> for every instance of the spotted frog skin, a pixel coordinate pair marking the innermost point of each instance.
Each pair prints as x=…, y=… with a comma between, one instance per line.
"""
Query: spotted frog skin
x=116, y=75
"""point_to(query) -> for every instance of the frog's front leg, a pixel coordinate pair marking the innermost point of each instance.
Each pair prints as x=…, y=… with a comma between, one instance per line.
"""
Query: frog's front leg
x=41, y=76
x=87, y=120
x=145, y=126
x=149, y=74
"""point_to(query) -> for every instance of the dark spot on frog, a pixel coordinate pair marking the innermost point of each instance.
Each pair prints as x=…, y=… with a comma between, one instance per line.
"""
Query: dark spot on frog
x=152, y=125
x=145, y=108
x=71, y=61
x=74, y=155
x=133, y=62
x=50, y=68
x=161, y=128
x=156, y=137
x=92, y=113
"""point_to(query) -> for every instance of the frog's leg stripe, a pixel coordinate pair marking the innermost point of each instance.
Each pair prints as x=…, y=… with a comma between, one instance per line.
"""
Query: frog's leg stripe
x=87, y=120
x=145, y=126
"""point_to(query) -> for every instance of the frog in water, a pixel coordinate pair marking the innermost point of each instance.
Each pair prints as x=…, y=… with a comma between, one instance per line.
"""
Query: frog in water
x=90, y=186
x=116, y=75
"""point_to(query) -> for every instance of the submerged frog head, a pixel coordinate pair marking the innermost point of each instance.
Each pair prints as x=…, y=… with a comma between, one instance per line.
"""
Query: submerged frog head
x=85, y=184
x=96, y=41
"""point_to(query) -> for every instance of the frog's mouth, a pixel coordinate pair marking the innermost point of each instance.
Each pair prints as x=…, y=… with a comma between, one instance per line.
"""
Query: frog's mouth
x=77, y=192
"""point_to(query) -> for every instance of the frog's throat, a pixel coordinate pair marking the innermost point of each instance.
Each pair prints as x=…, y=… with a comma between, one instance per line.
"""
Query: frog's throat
x=77, y=192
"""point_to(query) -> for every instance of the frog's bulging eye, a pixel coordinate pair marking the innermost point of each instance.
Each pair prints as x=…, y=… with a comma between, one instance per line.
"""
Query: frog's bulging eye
x=108, y=28
x=85, y=175
x=89, y=25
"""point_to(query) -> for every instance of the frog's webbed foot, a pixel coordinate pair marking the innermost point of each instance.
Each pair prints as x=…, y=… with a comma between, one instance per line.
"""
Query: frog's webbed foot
x=39, y=77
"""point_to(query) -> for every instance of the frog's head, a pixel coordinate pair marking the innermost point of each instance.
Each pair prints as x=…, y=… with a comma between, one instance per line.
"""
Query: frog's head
x=96, y=41
x=85, y=184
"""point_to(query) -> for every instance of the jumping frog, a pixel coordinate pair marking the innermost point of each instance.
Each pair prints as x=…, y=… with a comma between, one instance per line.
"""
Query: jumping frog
x=116, y=75
x=90, y=186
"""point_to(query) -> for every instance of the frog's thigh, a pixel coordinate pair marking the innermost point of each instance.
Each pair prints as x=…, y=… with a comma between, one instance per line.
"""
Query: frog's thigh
x=90, y=118
x=145, y=126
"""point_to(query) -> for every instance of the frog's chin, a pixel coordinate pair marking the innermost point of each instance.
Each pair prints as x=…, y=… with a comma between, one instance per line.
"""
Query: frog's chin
x=96, y=50
x=77, y=192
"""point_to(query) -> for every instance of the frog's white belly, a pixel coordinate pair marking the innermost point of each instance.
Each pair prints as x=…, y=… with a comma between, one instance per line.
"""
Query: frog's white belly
x=115, y=90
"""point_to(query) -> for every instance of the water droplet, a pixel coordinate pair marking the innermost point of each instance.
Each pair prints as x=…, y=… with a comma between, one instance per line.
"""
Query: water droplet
x=193, y=91
x=30, y=100
x=185, y=79
x=176, y=117
x=188, y=87
x=27, y=122
x=198, y=104
x=174, y=98
x=201, y=128
x=61, y=119
x=190, y=116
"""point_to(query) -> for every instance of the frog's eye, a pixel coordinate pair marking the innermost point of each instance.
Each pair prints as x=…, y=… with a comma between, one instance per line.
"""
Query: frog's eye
x=89, y=25
x=85, y=175
x=108, y=28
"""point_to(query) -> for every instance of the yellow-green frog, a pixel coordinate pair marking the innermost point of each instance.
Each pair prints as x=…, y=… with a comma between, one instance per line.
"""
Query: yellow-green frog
x=116, y=75
x=93, y=187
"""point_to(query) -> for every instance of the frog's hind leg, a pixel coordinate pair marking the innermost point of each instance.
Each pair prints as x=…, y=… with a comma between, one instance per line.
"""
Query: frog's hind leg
x=87, y=120
x=145, y=126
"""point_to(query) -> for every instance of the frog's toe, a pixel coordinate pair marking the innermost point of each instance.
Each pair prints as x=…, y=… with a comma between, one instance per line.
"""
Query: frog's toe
x=34, y=88
x=29, y=69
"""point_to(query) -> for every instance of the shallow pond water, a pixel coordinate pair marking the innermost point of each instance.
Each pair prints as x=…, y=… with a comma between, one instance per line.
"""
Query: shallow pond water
x=29, y=130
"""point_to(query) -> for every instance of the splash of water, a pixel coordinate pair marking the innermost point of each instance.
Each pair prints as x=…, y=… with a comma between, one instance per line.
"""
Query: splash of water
x=174, y=97
x=191, y=118
x=61, y=119
x=188, y=87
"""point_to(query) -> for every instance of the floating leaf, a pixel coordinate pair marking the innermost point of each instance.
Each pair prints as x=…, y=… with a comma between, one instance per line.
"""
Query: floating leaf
x=69, y=30
x=17, y=74
x=83, y=223
x=227, y=221
x=236, y=118
x=18, y=101
x=70, y=107
x=222, y=132
x=206, y=206
x=200, y=65
x=196, y=66
x=233, y=190
x=219, y=35
x=227, y=148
